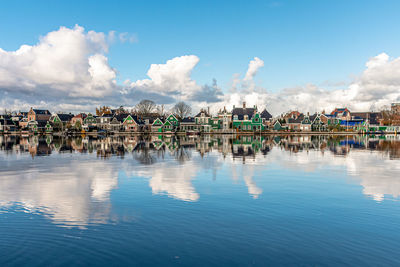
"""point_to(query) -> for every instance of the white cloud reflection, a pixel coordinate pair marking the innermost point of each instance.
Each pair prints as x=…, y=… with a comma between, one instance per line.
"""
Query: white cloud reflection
x=75, y=193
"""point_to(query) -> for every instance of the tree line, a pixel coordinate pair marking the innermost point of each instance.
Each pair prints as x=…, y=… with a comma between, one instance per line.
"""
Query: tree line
x=148, y=108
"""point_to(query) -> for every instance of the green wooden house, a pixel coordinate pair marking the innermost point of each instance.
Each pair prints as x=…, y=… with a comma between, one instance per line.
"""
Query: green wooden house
x=247, y=119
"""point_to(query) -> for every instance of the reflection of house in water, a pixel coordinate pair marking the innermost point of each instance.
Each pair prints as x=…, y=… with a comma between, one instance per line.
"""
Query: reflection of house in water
x=204, y=144
x=297, y=143
x=172, y=173
x=108, y=146
x=244, y=146
x=130, y=143
x=237, y=145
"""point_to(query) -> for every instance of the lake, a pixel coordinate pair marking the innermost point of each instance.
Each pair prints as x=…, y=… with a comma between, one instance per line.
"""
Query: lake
x=200, y=201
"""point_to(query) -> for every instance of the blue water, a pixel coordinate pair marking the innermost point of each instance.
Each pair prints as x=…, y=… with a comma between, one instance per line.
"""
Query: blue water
x=213, y=201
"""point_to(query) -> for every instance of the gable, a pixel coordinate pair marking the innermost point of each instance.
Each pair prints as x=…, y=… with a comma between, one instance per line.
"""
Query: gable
x=157, y=122
x=129, y=120
x=172, y=118
x=56, y=119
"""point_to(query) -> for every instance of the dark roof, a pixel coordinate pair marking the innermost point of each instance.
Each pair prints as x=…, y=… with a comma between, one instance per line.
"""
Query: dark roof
x=312, y=117
x=240, y=112
x=265, y=115
x=6, y=121
x=138, y=120
x=107, y=115
x=373, y=117
x=188, y=120
x=41, y=123
x=42, y=111
x=296, y=120
x=65, y=117
x=121, y=117
x=205, y=113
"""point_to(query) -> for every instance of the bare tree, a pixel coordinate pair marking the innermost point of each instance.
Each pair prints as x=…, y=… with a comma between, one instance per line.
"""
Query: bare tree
x=145, y=107
x=181, y=109
x=161, y=110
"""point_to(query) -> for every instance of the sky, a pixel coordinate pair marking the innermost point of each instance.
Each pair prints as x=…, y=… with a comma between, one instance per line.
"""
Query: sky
x=281, y=55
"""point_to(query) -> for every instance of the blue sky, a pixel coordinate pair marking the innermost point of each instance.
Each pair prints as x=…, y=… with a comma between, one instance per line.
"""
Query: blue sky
x=300, y=41
x=320, y=42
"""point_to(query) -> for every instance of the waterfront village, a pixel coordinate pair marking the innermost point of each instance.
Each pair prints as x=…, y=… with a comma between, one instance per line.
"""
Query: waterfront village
x=147, y=118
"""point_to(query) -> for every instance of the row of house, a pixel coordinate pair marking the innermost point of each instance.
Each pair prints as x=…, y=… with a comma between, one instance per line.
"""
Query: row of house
x=240, y=119
x=340, y=119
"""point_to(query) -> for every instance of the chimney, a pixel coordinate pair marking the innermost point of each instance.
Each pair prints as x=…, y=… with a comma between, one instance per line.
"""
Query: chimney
x=244, y=104
x=233, y=106
x=208, y=110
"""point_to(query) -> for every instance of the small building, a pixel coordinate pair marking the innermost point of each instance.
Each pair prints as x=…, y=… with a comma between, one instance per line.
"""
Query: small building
x=171, y=124
x=157, y=125
x=341, y=114
x=60, y=120
x=131, y=123
x=319, y=122
x=89, y=123
x=38, y=115
x=203, y=121
x=305, y=124
x=224, y=120
x=247, y=119
x=77, y=120
x=278, y=126
x=188, y=124
x=7, y=125
x=395, y=108
x=294, y=124
x=39, y=126
x=103, y=121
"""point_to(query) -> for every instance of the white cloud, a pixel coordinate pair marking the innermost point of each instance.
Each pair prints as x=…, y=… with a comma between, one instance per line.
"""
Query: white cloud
x=173, y=77
x=66, y=193
x=127, y=37
x=254, y=65
x=66, y=62
x=377, y=86
x=71, y=64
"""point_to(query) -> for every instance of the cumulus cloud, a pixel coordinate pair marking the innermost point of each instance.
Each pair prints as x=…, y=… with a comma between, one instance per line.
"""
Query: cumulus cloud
x=171, y=82
x=173, y=77
x=67, y=63
x=254, y=65
x=71, y=64
x=377, y=86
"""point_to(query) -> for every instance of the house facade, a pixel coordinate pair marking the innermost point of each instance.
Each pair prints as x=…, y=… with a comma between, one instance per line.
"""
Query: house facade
x=224, y=120
x=38, y=115
x=246, y=119
x=203, y=121
x=89, y=123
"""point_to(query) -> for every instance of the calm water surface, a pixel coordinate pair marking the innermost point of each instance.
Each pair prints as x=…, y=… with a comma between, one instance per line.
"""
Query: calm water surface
x=209, y=201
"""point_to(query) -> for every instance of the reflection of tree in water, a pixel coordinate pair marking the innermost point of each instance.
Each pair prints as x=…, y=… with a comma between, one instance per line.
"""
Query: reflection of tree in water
x=144, y=153
x=182, y=154
x=147, y=150
x=390, y=147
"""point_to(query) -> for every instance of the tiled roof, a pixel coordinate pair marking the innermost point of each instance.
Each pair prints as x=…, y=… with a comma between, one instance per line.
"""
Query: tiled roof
x=296, y=120
x=41, y=111
x=205, y=113
x=65, y=117
x=188, y=120
x=241, y=112
x=265, y=115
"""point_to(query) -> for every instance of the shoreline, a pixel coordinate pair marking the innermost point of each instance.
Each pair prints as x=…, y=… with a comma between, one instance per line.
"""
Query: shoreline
x=281, y=133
